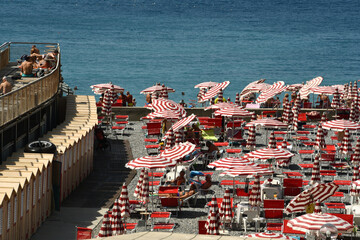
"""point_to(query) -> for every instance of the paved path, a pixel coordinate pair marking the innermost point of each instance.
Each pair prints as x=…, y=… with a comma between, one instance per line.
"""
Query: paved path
x=87, y=204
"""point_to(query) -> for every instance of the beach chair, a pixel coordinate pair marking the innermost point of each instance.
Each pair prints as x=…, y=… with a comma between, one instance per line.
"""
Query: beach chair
x=208, y=135
x=153, y=129
x=160, y=221
x=292, y=187
x=130, y=227
x=248, y=216
x=170, y=204
x=273, y=210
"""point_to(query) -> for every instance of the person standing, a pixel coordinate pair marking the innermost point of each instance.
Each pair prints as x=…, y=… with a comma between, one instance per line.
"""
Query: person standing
x=129, y=99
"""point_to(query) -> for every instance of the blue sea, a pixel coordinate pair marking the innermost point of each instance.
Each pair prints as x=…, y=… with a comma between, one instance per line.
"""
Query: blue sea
x=138, y=43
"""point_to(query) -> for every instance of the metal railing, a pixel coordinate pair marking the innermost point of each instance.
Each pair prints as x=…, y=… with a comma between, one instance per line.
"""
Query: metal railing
x=31, y=95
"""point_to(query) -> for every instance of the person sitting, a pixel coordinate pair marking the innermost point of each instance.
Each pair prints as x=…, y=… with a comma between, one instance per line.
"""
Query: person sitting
x=277, y=102
x=148, y=99
x=211, y=147
x=26, y=67
x=5, y=86
x=54, y=54
x=179, y=180
x=34, y=49
x=285, y=99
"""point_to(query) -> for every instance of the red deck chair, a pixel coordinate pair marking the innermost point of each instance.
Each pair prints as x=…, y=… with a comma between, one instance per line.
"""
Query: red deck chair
x=130, y=227
x=292, y=187
x=347, y=217
x=160, y=221
x=171, y=204
x=274, y=214
x=153, y=129
x=288, y=230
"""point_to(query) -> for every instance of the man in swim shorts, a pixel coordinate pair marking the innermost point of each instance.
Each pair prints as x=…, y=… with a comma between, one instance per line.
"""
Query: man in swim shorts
x=26, y=68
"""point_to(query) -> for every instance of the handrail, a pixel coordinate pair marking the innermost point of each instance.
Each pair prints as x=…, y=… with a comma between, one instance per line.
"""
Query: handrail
x=28, y=97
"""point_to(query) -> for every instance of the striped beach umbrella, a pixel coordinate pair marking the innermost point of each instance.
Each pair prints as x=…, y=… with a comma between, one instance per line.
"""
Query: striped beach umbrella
x=344, y=94
x=357, y=109
x=314, y=221
x=139, y=183
x=237, y=99
x=350, y=91
x=251, y=141
x=356, y=157
x=212, y=92
x=212, y=224
x=255, y=198
x=269, y=153
x=251, y=86
x=246, y=170
x=170, y=139
x=355, y=89
x=162, y=104
x=253, y=116
x=225, y=210
x=269, y=235
x=164, y=93
x=178, y=137
x=295, y=121
x=144, y=192
x=154, y=96
x=150, y=162
x=233, y=112
x=336, y=99
x=316, y=192
x=352, y=116
x=107, y=102
x=165, y=114
x=105, y=229
x=124, y=202
x=220, y=105
x=355, y=188
x=315, y=174
x=205, y=85
x=228, y=163
x=341, y=125
x=320, y=139
x=272, y=141
x=276, y=88
x=345, y=147
x=286, y=117
x=259, y=87
x=355, y=173
x=323, y=117
x=102, y=87
x=180, y=124
x=327, y=90
x=117, y=227
x=267, y=122
x=284, y=145
x=178, y=152
x=220, y=96
x=306, y=89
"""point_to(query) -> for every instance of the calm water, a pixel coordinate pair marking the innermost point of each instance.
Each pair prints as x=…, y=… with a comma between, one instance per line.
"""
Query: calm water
x=181, y=43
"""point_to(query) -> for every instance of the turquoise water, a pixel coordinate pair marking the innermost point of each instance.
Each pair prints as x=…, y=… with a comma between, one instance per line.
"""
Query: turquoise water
x=135, y=44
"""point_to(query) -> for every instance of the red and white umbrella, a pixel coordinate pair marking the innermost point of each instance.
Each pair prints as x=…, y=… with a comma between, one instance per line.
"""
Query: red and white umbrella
x=237, y=99
x=251, y=141
x=346, y=147
x=355, y=186
x=107, y=102
x=320, y=139
x=178, y=151
x=162, y=104
x=316, y=192
x=212, y=224
x=327, y=90
x=102, y=87
x=352, y=116
x=315, y=174
x=286, y=116
x=269, y=235
x=269, y=153
x=220, y=105
x=275, y=89
x=295, y=121
x=353, y=91
x=344, y=94
x=297, y=104
x=220, y=96
x=139, y=183
x=178, y=137
x=256, y=88
x=340, y=125
x=117, y=227
x=233, y=112
x=255, y=197
x=206, y=84
x=253, y=116
x=306, y=89
x=272, y=141
x=124, y=202
x=144, y=192
x=250, y=85
x=317, y=207
x=170, y=140
x=105, y=229
x=350, y=91
x=166, y=114
x=267, y=122
x=214, y=91
x=294, y=87
x=356, y=157
x=228, y=163
x=156, y=88
x=336, y=99
x=150, y=162
x=314, y=221
x=225, y=208
x=355, y=173
x=247, y=170
x=180, y=124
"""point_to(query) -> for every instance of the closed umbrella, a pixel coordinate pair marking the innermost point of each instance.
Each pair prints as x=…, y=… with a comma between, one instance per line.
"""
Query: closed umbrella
x=352, y=116
x=170, y=139
x=124, y=202
x=225, y=208
x=212, y=224
x=144, y=192
x=315, y=174
x=220, y=96
x=107, y=102
x=295, y=121
x=237, y=99
x=355, y=177
x=178, y=137
x=336, y=99
x=320, y=139
x=117, y=227
x=105, y=229
x=316, y=192
x=272, y=141
x=356, y=157
x=346, y=147
x=251, y=141
x=139, y=183
x=255, y=197
x=253, y=116
x=286, y=117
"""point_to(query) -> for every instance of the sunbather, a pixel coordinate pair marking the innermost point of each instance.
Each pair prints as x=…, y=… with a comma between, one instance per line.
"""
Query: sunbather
x=179, y=180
